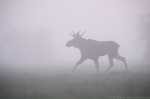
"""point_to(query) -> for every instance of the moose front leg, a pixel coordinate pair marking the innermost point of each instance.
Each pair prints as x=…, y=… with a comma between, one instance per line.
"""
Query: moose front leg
x=82, y=59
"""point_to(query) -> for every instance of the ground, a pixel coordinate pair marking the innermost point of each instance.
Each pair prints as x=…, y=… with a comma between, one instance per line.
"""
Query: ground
x=78, y=85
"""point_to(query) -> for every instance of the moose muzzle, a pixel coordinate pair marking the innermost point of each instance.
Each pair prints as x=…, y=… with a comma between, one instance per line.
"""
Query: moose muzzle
x=68, y=44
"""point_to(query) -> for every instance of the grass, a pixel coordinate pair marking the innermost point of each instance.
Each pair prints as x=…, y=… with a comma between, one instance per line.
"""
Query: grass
x=78, y=85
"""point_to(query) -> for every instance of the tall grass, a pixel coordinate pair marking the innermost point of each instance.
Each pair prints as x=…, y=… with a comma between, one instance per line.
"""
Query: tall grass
x=78, y=85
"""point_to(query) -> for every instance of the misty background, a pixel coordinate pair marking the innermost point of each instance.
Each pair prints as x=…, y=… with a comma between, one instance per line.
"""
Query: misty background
x=35, y=32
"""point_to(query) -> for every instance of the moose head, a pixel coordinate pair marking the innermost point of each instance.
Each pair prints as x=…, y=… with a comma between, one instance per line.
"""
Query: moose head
x=77, y=39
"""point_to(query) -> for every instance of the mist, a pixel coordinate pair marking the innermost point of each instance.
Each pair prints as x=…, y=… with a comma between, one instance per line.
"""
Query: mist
x=33, y=35
x=44, y=27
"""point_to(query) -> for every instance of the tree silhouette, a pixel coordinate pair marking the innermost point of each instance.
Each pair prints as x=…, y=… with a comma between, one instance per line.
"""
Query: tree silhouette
x=144, y=28
x=30, y=46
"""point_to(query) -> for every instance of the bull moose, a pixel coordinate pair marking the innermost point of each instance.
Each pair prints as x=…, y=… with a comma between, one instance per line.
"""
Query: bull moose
x=92, y=49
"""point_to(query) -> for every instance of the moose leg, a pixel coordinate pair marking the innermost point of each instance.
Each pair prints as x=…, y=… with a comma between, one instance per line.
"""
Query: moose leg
x=96, y=64
x=111, y=62
x=78, y=63
x=122, y=59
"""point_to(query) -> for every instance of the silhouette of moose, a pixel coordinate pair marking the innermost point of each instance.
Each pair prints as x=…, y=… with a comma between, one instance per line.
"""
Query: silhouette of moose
x=92, y=49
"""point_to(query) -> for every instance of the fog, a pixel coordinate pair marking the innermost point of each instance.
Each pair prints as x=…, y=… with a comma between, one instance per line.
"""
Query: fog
x=36, y=32
x=35, y=62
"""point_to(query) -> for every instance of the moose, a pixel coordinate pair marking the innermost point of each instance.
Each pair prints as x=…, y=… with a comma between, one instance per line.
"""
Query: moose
x=92, y=49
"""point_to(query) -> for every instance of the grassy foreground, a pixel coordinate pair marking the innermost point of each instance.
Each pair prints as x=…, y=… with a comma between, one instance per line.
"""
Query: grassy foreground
x=67, y=85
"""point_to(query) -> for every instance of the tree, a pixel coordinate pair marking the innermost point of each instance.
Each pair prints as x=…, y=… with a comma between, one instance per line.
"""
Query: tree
x=30, y=46
x=144, y=28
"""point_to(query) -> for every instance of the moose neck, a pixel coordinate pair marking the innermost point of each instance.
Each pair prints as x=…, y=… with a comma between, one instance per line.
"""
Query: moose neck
x=82, y=43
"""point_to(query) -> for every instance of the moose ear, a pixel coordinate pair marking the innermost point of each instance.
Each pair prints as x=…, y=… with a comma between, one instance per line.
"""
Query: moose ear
x=78, y=33
x=83, y=33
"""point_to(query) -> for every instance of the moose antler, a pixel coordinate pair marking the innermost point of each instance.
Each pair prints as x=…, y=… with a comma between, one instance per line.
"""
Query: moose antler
x=83, y=33
x=71, y=35
x=78, y=32
x=74, y=35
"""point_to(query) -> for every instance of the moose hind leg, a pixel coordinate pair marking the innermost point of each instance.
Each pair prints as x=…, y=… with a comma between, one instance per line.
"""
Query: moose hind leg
x=111, y=62
x=122, y=59
x=96, y=64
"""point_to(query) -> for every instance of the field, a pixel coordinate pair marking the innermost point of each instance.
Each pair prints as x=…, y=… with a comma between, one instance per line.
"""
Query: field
x=15, y=84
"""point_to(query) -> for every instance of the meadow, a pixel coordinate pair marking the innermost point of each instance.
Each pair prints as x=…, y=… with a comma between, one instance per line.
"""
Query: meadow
x=45, y=84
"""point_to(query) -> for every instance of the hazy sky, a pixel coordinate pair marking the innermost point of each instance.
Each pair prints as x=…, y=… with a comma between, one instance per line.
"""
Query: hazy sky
x=51, y=21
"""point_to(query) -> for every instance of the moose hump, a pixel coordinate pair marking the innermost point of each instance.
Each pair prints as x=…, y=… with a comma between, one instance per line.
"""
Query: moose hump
x=108, y=44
